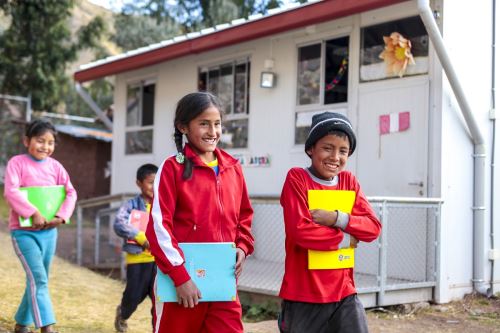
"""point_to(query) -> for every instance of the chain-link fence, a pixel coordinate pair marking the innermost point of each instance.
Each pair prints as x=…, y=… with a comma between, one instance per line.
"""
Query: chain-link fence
x=404, y=257
x=14, y=112
x=90, y=240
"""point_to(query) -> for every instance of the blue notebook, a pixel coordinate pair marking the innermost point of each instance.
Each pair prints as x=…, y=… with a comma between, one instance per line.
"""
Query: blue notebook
x=211, y=267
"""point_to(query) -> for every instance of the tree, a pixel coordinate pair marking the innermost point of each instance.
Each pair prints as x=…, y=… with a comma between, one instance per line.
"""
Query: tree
x=134, y=30
x=37, y=47
x=194, y=15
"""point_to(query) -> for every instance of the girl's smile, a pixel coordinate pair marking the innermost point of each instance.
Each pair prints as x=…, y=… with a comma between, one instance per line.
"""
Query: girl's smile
x=40, y=147
x=203, y=133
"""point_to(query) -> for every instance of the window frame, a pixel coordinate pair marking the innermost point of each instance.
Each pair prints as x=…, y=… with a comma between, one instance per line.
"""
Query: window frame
x=341, y=107
x=232, y=116
x=385, y=21
x=140, y=128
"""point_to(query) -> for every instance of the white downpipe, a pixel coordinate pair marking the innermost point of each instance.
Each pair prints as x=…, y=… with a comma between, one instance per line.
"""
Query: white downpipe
x=479, y=249
x=90, y=102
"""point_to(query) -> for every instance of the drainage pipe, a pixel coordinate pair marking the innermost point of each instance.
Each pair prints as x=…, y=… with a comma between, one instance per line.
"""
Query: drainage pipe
x=479, y=156
x=493, y=139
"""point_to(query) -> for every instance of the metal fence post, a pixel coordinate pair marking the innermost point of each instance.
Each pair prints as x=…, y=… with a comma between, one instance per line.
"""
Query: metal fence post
x=97, y=238
x=79, y=231
x=382, y=268
x=437, y=252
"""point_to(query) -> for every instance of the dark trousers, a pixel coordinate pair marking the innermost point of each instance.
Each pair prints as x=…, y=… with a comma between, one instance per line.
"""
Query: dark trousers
x=140, y=282
x=345, y=316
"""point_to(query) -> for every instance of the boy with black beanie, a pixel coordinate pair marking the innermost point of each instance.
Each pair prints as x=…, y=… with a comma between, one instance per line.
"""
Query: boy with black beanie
x=323, y=300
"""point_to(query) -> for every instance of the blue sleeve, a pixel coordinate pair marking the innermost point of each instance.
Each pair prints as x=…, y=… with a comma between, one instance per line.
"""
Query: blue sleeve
x=121, y=224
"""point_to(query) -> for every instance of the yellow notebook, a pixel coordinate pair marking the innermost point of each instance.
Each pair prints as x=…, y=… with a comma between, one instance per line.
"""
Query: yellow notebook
x=331, y=200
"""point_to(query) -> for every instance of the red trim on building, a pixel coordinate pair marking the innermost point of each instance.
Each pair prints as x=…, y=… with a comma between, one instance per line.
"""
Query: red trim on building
x=288, y=20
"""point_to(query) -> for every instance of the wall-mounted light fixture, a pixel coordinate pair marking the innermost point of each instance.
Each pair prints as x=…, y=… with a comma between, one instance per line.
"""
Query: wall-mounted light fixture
x=268, y=77
x=267, y=80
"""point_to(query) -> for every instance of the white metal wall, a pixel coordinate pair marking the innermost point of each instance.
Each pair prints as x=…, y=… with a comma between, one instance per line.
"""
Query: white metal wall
x=462, y=24
x=272, y=114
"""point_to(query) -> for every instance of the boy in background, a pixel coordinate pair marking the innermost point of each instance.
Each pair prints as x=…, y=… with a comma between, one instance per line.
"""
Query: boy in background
x=141, y=267
x=323, y=300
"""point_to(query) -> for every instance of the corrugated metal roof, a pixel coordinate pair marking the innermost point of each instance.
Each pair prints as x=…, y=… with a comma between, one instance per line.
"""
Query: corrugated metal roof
x=291, y=16
x=85, y=132
x=193, y=35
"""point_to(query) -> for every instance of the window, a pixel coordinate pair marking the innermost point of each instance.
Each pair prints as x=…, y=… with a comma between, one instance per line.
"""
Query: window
x=140, y=118
x=322, y=81
x=372, y=45
x=230, y=82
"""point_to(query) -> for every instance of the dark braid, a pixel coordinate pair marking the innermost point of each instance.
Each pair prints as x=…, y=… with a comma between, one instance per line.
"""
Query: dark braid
x=188, y=108
x=188, y=164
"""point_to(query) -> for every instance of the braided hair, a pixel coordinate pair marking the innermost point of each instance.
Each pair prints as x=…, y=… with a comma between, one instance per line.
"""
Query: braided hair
x=188, y=108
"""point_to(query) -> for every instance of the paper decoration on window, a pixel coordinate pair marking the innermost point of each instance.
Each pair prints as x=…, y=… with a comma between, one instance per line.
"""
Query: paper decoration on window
x=397, y=54
x=394, y=122
x=338, y=76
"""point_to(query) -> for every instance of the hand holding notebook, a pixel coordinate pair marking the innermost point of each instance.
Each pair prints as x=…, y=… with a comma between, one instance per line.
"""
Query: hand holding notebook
x=47, y=199
x=138, y=219
x=329, y=201
x=211, y=268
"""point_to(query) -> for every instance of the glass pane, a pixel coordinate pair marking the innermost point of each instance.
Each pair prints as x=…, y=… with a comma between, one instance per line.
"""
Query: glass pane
x=308, y=80
x=202, y=81
x=372, y=45
x=240, y=88
x=139, y=142
x=226, y=87
x=148, y=105
x=336, y=70
x=213, y=81
x=303, y=121
x=133, y=105
x=234, y=134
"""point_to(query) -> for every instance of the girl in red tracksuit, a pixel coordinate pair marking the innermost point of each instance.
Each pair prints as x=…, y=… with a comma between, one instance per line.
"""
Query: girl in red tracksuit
x=323, y=300
x=200, y=195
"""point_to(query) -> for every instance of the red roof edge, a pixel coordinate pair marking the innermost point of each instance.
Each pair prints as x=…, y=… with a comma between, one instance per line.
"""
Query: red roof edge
x=288, y=20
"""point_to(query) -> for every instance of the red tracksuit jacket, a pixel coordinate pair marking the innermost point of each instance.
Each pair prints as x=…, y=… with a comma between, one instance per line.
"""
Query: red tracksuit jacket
x=205, y=208
x=327, y=285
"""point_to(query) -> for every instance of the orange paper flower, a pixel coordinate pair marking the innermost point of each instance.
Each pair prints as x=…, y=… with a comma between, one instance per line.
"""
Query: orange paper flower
x=397, y=54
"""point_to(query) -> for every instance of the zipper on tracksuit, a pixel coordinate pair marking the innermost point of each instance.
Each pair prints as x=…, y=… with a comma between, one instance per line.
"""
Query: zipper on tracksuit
x=221, y=206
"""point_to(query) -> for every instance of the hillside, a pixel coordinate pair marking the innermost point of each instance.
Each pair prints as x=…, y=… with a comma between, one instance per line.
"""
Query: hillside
x=83, y=12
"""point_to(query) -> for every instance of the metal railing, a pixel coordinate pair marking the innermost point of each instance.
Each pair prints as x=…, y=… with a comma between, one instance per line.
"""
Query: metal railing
x=404, y=257
x=89, y=213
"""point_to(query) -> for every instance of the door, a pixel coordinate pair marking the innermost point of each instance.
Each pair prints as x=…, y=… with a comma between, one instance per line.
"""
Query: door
x=393, y=164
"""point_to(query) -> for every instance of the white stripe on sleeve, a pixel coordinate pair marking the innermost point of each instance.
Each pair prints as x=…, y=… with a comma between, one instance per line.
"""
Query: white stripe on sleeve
x=162, y=235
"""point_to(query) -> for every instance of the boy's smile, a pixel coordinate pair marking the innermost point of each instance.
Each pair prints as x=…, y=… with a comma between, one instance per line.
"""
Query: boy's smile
x=147, y=186
x=329, y=156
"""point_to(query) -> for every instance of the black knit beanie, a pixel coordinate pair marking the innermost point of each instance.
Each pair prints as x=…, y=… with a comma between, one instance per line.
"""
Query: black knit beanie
x=326, y=122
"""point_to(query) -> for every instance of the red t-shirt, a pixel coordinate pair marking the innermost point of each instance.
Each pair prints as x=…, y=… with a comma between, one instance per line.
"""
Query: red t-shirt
x=326, y=285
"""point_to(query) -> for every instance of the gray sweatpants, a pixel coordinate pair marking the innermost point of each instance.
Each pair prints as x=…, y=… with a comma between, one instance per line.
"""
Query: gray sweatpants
x=345, y=316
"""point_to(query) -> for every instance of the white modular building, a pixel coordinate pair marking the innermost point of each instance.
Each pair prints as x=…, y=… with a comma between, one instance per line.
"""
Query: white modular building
x=415, y=78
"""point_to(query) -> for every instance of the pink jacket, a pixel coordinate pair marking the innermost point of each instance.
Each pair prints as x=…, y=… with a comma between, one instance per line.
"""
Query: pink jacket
x=23, y=171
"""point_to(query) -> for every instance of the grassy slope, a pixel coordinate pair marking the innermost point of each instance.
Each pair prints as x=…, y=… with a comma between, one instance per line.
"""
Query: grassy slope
x=4, y=208
x=83, y=300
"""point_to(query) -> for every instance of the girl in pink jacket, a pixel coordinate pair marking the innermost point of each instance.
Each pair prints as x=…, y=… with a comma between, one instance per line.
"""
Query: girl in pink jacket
x=35, y=246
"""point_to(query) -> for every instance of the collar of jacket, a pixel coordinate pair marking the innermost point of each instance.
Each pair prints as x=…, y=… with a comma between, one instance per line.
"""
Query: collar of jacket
x=224, y=160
